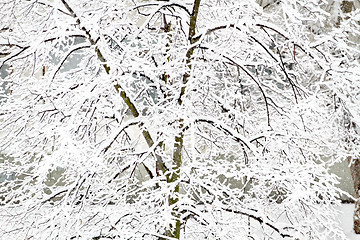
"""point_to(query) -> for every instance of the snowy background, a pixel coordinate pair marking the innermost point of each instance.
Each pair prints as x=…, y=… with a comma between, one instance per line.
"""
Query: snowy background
x=345, y=218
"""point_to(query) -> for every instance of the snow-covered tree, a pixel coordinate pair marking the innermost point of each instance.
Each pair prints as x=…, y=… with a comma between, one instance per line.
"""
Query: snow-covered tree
x=344, y=15
x=175, y=119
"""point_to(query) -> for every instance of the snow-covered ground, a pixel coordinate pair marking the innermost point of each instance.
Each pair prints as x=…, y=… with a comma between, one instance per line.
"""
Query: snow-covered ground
x=346, y=221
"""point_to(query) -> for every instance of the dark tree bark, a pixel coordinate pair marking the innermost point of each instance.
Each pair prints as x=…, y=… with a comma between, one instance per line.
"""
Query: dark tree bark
x=355, y=173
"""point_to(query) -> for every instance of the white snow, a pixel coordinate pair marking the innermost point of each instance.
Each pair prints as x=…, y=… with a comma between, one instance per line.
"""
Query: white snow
x=346, y=221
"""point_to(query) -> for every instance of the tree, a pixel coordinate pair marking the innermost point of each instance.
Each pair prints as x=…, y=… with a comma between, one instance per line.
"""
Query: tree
x=180, y=119
x=344, y=16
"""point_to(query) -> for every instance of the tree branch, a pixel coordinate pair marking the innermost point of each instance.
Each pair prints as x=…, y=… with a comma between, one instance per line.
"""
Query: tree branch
x=117, y=86
x=66, y=57
x=192, y=29
x=164, y=5
x=260, y=220
x=229, y=131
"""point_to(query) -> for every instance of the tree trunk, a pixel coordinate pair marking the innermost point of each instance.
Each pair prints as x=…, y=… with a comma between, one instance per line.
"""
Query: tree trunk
x=172, y=178
x=347, y=6
x=355, y=173
x=174, y=175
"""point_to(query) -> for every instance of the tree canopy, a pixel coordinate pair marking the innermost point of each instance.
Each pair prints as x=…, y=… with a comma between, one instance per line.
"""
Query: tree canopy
x=176, y=119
